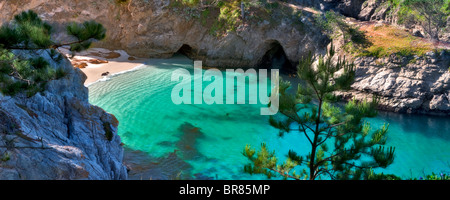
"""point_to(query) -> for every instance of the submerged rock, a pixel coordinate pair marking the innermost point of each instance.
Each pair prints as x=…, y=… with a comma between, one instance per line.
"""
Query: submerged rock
x=142, y=166
x=187, y=142
x=57, y=134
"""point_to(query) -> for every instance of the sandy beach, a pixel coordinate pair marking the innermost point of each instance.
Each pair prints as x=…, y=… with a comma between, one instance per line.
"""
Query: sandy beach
x=97, y=63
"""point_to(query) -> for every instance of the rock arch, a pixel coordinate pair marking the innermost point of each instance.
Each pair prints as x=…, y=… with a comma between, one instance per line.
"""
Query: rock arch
x=187, y=50
x=275, y=57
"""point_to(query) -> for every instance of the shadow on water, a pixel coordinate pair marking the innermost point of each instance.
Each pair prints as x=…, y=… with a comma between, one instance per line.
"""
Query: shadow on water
x=430, y=126
x=175, y=62
x=240, y=113
x=142, y=166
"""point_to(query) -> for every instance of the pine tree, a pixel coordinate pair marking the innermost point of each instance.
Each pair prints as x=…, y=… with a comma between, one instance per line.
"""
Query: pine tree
x=28, y=32
x=432, y=14
x=343, y=146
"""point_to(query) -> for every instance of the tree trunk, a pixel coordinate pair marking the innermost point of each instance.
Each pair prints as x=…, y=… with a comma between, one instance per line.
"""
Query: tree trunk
x=436, y=34
x=312, y=167
x=243, y=10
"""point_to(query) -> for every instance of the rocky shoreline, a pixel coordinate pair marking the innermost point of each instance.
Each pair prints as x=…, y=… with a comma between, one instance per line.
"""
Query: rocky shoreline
x=405, y=85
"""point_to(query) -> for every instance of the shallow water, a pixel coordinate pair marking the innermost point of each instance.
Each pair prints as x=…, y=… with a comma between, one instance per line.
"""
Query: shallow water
x=168, y=141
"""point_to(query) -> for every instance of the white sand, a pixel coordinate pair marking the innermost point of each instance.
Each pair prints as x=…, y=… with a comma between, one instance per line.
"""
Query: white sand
x=115, y=65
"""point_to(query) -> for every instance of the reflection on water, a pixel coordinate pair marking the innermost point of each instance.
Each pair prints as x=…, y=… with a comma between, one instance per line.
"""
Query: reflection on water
x=168, y=141
x=422, y=143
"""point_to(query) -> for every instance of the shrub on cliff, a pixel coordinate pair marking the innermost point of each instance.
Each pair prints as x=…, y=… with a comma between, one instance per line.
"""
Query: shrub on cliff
x=28, y=32
x=221, y=17
x=333, y=24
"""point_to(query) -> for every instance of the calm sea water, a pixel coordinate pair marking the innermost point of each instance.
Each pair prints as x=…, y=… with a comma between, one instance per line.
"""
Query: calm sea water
x=168, y=141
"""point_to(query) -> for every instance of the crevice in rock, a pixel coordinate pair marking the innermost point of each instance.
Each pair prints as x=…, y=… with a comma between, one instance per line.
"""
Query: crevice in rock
x=68, y=118
x=8, y=124
x=275, y=58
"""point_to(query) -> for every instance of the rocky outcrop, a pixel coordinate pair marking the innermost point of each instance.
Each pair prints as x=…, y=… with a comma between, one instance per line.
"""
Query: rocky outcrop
x=154, y=29
x=57, y=134
x=406, y=85
x=358, y=9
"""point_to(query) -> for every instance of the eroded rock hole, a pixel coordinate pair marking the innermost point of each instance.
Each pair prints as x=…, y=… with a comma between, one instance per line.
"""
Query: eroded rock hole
x=275, y=58
x=187, y=51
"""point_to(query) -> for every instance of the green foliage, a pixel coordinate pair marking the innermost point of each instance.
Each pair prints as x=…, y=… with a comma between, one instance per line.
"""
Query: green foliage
x=376, y=52
x=222, y=17
x=55, y=56
x=431, y=14
x=39, y=63
x=434, y=176
x=443, y=176
x=333, y=24
x=28, y=75
x=5, y=157
x=382, y=176
x=227, y=20
x=60, y=73
x=119, y=2
x=28, y=32
x=343, y=145
x=84, y=33
x=389, y=40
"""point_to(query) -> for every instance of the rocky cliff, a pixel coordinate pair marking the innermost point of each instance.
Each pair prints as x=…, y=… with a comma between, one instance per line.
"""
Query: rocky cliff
x=375, y=10
x=414, y=85
x=156, y=29
x=57, y=134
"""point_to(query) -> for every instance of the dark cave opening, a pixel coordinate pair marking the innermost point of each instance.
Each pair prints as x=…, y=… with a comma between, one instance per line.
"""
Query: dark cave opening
x=187, y=51
x=275, y=58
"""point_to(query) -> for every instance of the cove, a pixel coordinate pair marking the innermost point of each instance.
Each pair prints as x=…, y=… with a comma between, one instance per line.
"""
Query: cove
x=200, y=141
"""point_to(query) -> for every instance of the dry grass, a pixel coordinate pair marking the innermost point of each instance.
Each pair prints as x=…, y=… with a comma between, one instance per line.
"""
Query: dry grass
x=386, y=40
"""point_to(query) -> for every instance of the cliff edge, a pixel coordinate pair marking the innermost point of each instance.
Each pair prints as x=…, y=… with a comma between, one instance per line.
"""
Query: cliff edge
x=57, y=134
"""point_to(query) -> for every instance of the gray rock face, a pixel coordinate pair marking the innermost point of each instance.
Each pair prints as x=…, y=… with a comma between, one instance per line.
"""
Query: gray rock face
x=416, y=85
x=365, y=10
x=152, y=29
x=350, y=7
x=57, y=134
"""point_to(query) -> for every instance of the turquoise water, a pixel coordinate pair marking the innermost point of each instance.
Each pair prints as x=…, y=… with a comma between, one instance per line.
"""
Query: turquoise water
x=209, y=139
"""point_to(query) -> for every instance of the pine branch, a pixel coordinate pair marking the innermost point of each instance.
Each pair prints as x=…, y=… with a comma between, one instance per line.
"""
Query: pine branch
x=284, y=174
